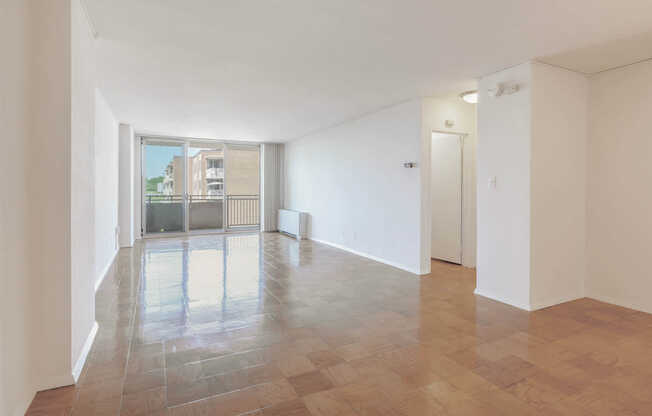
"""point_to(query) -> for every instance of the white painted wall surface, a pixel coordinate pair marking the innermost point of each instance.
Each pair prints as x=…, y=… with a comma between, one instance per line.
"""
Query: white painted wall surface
x=106, y=186
x=619, y=178
x=435, y=112
x=47, y=111
x=82, y=180
x=50, y=228
x=126, y=178
x=558, y=185
x=351, y=180
x=18, y=314
x=532, y=225
x=62, y=117
x=504, y=127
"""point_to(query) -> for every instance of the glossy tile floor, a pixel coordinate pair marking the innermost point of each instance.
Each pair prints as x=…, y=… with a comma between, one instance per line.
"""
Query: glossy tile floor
x=264, y=325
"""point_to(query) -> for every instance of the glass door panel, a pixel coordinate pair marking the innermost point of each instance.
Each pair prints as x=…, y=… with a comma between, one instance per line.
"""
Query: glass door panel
x=205, y=186
x=242, y=178
x=164, y=190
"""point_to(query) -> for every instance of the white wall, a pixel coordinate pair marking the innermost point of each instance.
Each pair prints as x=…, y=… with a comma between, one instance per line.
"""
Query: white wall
x=503, y=250
x=619, y=178
x=126, y=185
x=50, y=228
x=60, y=184
x=82, y=183
x=106, y=186
x=435, y=113
x=351, y=180
x=558, y=185
x=532, y=225
x=18, y=316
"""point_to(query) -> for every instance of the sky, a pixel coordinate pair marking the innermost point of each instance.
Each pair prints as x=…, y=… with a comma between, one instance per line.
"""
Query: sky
x=159, y=156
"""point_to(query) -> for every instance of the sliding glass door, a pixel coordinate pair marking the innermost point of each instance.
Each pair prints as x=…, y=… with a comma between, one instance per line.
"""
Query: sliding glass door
x=199, y=186
x=243, y=186
x=205, y=186
x=164, y=187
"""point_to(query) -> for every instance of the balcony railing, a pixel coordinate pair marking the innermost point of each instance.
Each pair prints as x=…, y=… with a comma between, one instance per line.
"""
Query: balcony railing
x=172, y=198
x=205, y=212
x=166, y=212
x=242, y=210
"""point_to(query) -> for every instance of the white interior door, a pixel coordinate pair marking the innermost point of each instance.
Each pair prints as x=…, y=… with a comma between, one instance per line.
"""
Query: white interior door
x=446, y=196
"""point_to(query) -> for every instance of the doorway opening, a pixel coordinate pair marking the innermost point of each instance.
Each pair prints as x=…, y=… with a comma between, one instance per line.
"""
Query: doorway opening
x=447, y=166
x=198, y=186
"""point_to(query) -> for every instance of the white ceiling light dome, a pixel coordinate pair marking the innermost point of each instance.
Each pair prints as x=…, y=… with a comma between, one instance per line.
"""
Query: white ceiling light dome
x=470, y=97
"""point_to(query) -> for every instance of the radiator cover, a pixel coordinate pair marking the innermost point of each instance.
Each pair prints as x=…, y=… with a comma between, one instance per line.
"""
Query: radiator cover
x=293, y=223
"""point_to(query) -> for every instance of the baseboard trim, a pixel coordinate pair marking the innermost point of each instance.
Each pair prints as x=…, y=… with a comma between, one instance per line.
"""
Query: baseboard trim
x=55, y=381
x=546, y=304
x=618, y=302
x=501, y=299
x=369, y=256
x=533, y=306
x=79, y=365
x=105, y=271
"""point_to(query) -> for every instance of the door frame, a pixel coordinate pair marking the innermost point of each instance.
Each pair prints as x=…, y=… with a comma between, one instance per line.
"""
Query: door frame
x=185, y=142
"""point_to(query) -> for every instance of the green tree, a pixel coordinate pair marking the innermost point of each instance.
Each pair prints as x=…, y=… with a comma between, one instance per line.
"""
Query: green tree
x=152, y=185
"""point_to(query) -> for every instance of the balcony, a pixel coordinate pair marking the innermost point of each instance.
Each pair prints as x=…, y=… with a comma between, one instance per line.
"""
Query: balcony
x=167, y=212
x=215, y=173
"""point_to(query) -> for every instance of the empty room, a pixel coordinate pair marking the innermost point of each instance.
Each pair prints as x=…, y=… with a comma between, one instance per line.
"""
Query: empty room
x=342, y=208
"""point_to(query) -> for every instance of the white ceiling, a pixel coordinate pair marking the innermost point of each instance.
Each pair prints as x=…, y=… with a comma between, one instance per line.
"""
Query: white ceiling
x=604, y=56
x=274, y=70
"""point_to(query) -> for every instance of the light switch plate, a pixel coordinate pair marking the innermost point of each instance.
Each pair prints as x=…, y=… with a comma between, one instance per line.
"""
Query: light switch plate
x=491, y=183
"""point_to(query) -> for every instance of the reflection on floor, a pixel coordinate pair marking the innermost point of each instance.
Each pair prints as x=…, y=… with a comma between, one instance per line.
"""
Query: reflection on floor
x=266, y=325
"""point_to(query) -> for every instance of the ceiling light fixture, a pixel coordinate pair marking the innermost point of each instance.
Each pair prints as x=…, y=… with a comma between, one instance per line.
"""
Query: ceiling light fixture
x=470, y=97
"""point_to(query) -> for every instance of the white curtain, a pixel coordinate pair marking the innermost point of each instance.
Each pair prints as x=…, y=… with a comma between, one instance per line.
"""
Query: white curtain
x=271, y=185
